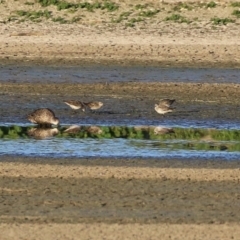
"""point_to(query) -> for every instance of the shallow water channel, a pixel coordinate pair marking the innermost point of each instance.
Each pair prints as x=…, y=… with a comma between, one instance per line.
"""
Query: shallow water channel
x=120, y=141
x=114, y=137
x=96, y=73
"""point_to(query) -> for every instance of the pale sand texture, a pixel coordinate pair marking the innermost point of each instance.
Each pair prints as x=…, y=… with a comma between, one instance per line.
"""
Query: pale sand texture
x=115, y=231
x=75, y=46
x=105, y=172
x=96, y=38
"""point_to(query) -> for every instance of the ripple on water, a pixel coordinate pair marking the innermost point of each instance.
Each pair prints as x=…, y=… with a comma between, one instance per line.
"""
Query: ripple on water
x=97, y=73
x=130, y=148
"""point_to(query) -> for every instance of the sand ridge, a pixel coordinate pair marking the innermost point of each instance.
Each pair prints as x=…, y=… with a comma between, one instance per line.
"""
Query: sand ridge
x=37, y=170
x=97, y=38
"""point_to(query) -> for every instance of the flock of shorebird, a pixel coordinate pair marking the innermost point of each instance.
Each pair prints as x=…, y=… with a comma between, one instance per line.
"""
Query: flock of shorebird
x=74, y=104
x=46, y=117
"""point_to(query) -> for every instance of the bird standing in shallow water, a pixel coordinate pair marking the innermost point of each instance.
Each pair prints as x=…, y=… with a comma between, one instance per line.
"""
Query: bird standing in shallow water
x=74, y=104
x=94, y=105
x=162, y=109
x=43, y=117
x=164, y=106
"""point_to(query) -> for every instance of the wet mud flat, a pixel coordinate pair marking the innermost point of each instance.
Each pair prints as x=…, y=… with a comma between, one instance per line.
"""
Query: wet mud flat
x=197, y=104
x=104, y=192
x=37, y=190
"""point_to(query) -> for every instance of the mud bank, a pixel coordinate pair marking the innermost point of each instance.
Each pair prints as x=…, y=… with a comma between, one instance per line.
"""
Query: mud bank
x=131, y=197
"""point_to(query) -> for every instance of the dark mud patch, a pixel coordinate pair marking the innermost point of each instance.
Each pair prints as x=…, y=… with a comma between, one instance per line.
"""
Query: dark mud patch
x=112, y=200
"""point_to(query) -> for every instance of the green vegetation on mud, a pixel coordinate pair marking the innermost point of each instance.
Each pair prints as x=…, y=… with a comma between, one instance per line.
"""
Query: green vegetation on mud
x=117, y=12
x=144, y=132
x=62, y=5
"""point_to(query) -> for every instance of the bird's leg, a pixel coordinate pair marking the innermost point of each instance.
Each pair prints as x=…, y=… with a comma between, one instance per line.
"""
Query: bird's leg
x=74, y=112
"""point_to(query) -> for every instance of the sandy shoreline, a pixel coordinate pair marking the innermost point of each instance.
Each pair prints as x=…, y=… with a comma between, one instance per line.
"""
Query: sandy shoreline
x=130, y=49
x=116, y=231
x=127, y=35
x=159, y=44
x=197, y=170
x=133, y=231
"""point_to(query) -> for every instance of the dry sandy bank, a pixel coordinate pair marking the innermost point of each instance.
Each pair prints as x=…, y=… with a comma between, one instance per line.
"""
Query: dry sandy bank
x=121, y=48
x=116, y=231
x=102, y=36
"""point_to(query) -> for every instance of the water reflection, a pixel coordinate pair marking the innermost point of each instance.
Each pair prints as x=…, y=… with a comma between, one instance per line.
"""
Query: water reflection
x=94, y=130
x=94, y=147
x=162, y=130
x=73, y=129
x=175, y=145
x=42, y=133
x=133, y=132
x=87, y=131
x=119, y=141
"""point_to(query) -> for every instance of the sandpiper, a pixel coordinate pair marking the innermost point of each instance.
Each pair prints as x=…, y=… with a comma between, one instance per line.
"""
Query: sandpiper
x=94, y=105
x=164, y=106
x=42, y=133
x=74, y=104
x=162, y=109
x=44, y=117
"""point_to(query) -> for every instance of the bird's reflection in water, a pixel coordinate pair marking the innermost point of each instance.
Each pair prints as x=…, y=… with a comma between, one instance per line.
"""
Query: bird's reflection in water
x=73, y=129
x=94, y=130
x=162, y=130
x=42, y=133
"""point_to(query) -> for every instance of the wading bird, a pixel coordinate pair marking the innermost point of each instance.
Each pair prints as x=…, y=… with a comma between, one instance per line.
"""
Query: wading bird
x=44, y=117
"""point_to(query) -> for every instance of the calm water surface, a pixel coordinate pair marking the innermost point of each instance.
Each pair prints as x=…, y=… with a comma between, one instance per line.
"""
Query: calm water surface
x=92, y=74
x=114, y=148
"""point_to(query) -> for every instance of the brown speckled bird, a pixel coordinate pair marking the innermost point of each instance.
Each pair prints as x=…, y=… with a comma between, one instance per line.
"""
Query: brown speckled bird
x=164, y=106
x=94, y=105
x=162, y=109
x=43, y=116
x=74, y=104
